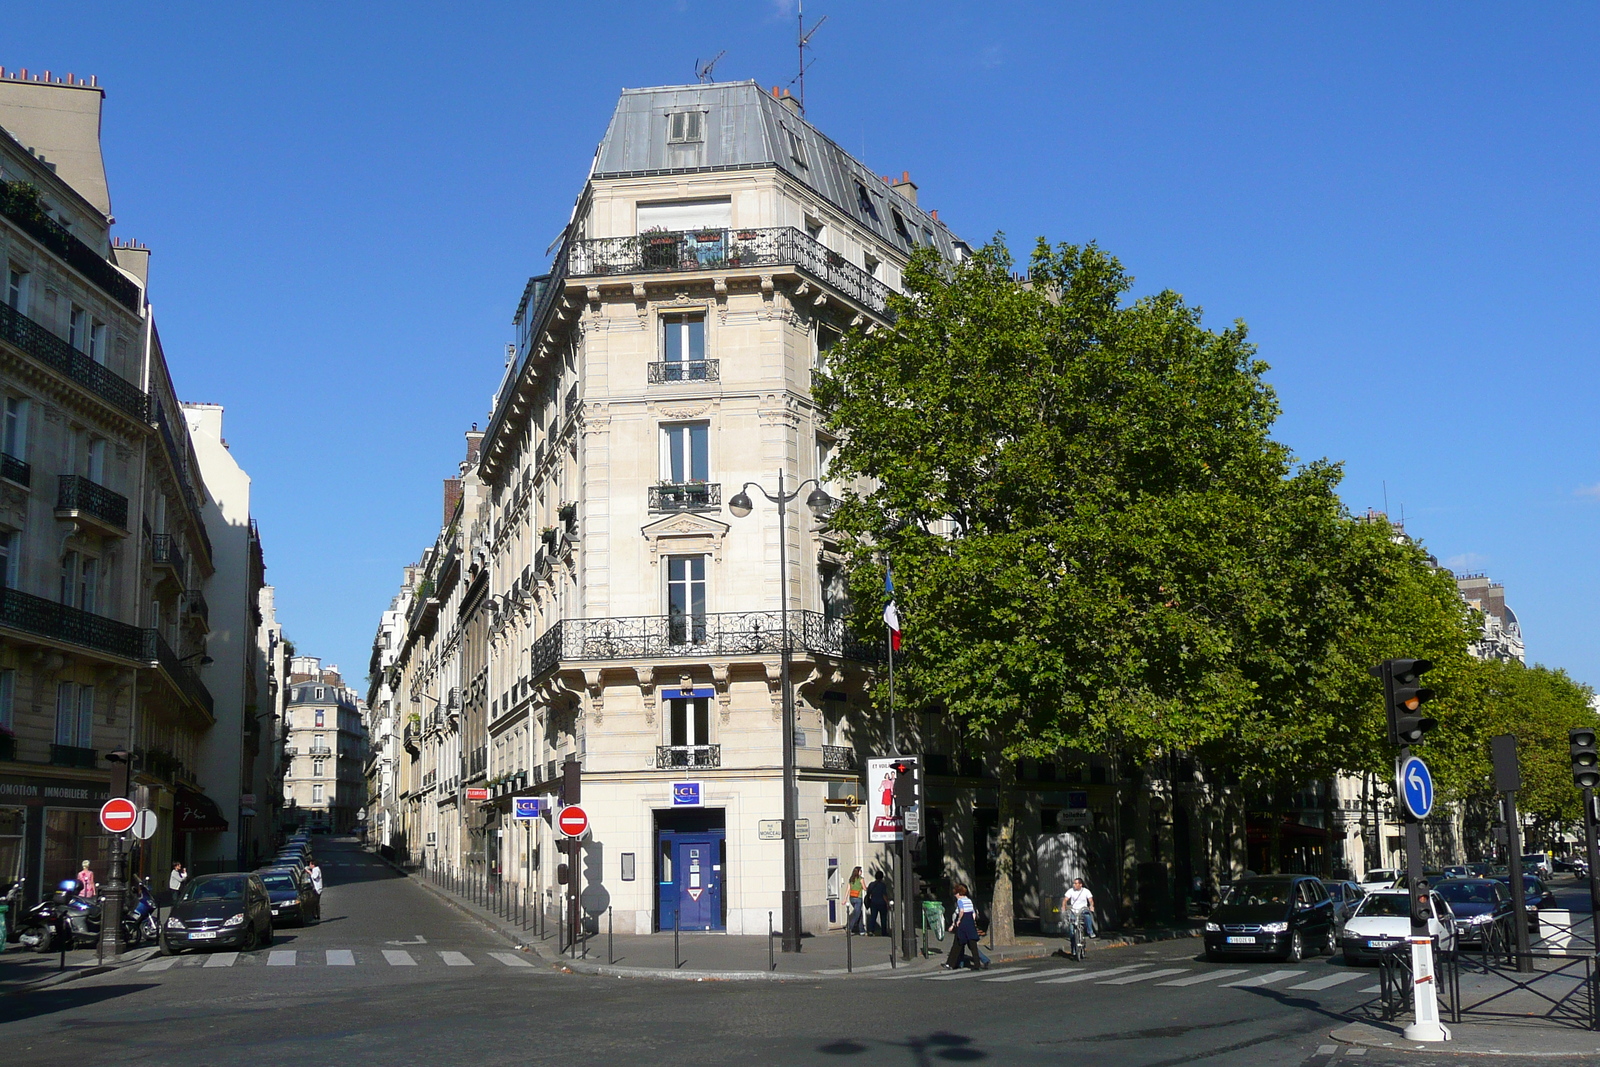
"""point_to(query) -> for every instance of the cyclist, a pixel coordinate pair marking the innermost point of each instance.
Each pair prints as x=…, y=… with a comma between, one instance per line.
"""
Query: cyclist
x=1079, y=903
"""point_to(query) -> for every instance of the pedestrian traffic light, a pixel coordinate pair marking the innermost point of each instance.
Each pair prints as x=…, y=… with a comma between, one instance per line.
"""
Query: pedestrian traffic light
x=1420, y=912
x=905, y=782
x=1585, y=758
x=571, y=782
x=1403, y=697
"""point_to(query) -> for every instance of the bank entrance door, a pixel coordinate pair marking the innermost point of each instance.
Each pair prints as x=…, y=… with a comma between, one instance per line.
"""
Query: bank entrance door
x=691, y=866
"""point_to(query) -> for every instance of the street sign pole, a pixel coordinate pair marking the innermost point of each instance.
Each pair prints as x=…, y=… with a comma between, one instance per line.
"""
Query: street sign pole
x=1593, y=850
x=1414, y=786
x=117, y=816
x=1508, y=780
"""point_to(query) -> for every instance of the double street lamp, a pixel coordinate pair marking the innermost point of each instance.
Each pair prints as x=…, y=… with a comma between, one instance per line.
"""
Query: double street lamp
x=818, y=501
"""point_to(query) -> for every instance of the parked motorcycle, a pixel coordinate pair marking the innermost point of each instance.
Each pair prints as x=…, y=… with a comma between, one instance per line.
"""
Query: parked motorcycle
x=139, y=923
x=47, y=926
x=72, y=920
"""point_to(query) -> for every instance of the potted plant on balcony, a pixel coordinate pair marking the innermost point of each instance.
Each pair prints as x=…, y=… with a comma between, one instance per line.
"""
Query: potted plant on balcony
x=548, y=534
x=661, y=249
x=567, y=513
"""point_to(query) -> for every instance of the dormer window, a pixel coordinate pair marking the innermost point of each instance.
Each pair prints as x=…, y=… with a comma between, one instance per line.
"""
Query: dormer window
x=797, y=147
x=900, y=229
x=685, y=127
x=864, y=199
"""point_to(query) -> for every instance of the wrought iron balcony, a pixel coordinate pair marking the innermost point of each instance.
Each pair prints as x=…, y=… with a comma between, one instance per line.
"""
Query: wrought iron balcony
x=673, y=756
x=38, y=342
x=165, y=552
x=79, y=498
x=46, y=618
x=73, y=756
x=722, y=250
x=197, y=606
x=320, y=750
x=19, y=202
x=13, y=469
x=157, y=651
x=685, y=496
x=837, y=758
x=693, y=370
x=735, y=633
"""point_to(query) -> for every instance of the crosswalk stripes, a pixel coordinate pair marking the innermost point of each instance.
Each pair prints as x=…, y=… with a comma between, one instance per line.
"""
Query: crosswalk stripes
x=1263, y=979
x=341, y=957
x=1129, y=979
x=1373, y=989
x=1019, y=976
x=1205, y=976
x=953, y=975
x=510, y=959
x=1328, y=982
x=281, y=957
x=456, y=959
x=222, y=959
x=159, y=965
x=399, y=957
x=1084, y=976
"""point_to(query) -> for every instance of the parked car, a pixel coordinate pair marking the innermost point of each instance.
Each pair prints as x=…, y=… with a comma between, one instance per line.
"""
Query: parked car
x=1378, y=878
x=1383, y=922
x=293, y=899
x=1287, y=915
x=1346, y=895
x=1535, y=897
x=1537, y=863
x=1458, y=870
x=219, y=910
x=1476, y=903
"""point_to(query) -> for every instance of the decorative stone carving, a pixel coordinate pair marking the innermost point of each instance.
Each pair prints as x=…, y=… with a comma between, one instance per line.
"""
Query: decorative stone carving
x=688, y=534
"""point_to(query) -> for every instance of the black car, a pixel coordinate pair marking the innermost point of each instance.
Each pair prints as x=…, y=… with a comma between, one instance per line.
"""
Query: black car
x=1477, y=904
x=293, y=899
x=1286, y=915
x=219, y=911
x=1346, y=896
x=1536, y=896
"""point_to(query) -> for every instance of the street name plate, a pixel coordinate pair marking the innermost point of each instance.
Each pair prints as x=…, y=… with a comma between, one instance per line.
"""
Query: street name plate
x=770, y=830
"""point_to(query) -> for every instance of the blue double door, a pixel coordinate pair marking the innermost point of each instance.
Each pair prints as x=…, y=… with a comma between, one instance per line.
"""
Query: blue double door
x=691, y=868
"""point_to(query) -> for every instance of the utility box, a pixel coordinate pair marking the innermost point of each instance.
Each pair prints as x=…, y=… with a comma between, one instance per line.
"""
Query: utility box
x=1061, y=858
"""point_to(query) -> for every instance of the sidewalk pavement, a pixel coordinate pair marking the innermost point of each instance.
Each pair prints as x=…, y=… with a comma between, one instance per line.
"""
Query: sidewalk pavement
x=723, y=957
x=1505, y=1038
x=21, y=970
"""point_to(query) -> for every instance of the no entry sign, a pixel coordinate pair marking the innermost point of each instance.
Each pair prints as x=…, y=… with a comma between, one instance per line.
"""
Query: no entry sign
x=572, y=821
x=117, y=815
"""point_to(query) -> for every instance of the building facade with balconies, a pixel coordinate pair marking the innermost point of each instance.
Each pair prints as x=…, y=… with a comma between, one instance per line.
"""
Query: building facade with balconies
x=325, y=748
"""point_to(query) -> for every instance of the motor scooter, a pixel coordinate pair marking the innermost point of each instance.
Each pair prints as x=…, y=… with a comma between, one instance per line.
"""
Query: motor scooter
x=47, y=925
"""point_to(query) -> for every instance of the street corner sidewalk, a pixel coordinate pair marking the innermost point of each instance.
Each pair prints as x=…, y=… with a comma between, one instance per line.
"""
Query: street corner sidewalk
x=22, y=971
x=1477, y=1039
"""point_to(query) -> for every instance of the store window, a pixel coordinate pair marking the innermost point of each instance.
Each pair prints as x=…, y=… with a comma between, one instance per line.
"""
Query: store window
x=70, y=837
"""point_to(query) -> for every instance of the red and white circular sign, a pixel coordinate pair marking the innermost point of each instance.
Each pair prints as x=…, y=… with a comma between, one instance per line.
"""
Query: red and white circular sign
x=572, y=821
x=117, y=815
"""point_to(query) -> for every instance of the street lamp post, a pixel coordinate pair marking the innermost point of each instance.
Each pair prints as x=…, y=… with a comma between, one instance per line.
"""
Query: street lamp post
x=110, y=942
x=740, y=505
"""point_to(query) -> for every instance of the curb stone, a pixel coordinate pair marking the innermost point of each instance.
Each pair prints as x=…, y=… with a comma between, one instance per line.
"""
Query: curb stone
x=55, y=978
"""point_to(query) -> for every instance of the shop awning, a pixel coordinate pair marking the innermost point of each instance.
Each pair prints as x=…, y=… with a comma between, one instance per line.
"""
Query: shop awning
x=197, y=813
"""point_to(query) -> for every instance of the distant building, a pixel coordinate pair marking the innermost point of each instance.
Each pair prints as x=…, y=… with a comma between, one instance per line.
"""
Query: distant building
x=324, y=749
x=1502, y=634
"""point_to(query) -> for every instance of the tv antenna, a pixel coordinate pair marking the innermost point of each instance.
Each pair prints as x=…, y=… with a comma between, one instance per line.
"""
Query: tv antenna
x=803, y=40
x=702, y=71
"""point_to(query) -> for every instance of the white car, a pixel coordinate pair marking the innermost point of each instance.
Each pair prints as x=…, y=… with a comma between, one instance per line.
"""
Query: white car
x=1383, y=922
x=1378, y=878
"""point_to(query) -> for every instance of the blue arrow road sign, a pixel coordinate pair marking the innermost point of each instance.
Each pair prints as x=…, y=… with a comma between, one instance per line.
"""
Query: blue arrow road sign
x=527, y=807
x=1416, y=786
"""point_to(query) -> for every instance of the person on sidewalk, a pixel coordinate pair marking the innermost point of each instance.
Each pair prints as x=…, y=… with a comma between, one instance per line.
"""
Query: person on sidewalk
x=1079, y=901
x=315, y=874
x=878, y=905
x=856, y=889
x=86, y=886
x=964, y=926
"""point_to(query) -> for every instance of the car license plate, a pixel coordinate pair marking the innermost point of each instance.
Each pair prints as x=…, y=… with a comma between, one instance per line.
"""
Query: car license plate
x=1380, y=944
x=202, y=935
x=1241, y=940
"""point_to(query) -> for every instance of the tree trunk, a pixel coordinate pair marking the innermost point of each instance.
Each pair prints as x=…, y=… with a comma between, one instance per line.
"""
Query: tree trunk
x=1274, y=834
x=1002, y=909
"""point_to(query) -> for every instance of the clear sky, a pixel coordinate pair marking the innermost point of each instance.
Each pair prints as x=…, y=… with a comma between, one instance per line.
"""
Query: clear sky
x=345, y=200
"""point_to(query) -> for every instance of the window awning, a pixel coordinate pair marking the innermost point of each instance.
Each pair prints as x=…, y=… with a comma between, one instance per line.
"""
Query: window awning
x=197, y=813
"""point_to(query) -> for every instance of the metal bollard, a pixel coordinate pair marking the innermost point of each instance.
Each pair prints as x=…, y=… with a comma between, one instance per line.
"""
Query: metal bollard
x=772, y=960
x=611, y=946
x=849, y=954
x=677, y=959
x=895, y=936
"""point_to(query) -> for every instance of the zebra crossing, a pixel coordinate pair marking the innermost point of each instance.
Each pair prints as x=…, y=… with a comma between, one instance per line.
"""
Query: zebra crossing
x=341, y=957
x=1297, y=980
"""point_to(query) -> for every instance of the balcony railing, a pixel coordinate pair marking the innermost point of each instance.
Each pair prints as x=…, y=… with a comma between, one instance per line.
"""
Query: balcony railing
x=19, y=202
x=182, y=676
x=320, y=750
x=73, y=756
x=672, y=756
x=736, y=633
x=46, y=618
x=685, y=496
x=77, y=493
x=165, y=552
x=692, y=370
x=38, y=342
x=180, y=464
x=838, y=758
x=718, y=250
x=13, y=469
x=196, y=603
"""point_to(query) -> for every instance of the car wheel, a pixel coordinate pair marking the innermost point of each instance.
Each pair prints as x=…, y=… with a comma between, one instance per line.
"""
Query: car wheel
x=268, y=940
x=251, y=939
x=1330, y=944
x=1297, y=948
x=164, y=947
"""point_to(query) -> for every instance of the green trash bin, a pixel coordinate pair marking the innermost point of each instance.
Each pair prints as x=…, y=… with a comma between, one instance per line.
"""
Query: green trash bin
x=933, y=918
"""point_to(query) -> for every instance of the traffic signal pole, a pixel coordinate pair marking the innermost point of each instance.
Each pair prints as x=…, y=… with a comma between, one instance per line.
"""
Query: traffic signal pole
x=1593, y=851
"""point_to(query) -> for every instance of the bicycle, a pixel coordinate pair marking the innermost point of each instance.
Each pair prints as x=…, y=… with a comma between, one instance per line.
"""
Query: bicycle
x=1077, y=938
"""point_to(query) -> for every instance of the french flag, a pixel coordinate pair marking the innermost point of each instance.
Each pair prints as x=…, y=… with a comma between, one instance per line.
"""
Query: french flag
x=891, y=615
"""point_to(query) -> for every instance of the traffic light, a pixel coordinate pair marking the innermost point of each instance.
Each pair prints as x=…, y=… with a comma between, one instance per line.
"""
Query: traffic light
x=1585, y=758
x=905, y=782
x=1420, y=912
x=1403, y=697
x=571, y=782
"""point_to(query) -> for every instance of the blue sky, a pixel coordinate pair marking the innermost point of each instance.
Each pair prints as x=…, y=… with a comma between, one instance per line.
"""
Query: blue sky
x=345, y=200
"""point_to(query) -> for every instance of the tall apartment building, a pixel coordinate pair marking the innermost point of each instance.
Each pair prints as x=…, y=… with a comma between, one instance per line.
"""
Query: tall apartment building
x=106, y=560
x=1502, y=633
x=324, y=749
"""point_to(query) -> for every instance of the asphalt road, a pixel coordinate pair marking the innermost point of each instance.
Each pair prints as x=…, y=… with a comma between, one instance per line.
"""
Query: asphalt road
x=393, y=976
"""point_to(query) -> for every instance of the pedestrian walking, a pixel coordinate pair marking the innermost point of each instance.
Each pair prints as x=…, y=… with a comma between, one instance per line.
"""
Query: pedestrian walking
x=315, y=874
x=1079, y=901
x=964, y=926
x=86, y=886
x=878, y=904
x=857, y=888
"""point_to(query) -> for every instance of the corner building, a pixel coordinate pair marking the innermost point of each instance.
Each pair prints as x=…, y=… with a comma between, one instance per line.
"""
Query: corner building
x=719, y=247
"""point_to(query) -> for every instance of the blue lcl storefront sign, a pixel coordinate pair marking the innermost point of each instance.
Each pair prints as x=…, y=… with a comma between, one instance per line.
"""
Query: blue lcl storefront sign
x=686, y=794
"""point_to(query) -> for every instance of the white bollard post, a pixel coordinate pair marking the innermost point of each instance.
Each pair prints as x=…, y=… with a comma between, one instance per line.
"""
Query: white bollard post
x=1425, y=994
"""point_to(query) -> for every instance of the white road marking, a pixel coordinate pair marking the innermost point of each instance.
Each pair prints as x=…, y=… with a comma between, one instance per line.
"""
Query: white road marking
x=1132, y=978
x=858, y=970
x=455, y=959
x=398, y=957
x=341, y=957
x=418, y=940
x=1329, y=982
x=1205, y=976
x=1263, y=979
x=1371, y=989
x=1327, y=1050
x=511, y=959
x=903, y=974
x=1356, y=1051
x=1019, y=976
x=1084, y=976
x=281, y=957
x=159, y=965
x=973, y=973
x=222, y=959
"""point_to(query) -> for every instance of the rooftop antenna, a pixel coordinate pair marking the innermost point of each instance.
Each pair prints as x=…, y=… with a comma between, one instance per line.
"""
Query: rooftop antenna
x=803, y=39
x=702, y=71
